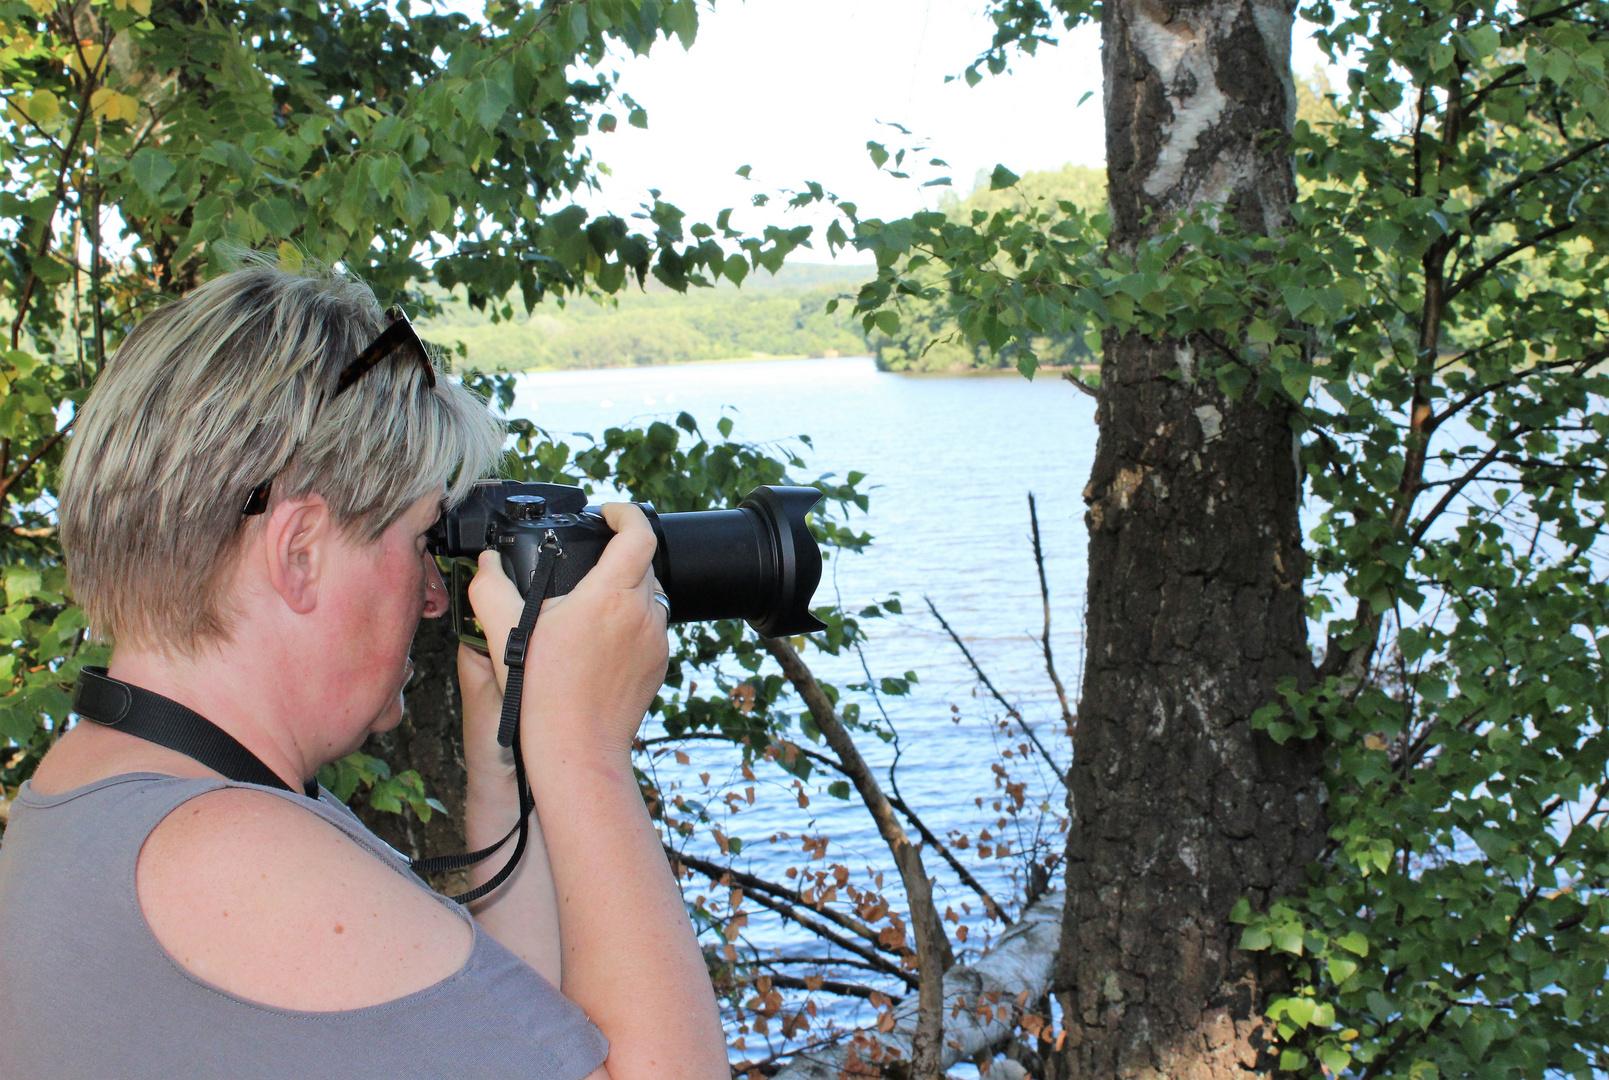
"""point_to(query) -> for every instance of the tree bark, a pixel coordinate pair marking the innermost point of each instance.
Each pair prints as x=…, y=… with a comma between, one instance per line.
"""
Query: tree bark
x=1195, y=592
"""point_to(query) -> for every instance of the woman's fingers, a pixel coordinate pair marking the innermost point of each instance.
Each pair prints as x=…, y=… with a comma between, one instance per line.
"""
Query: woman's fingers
x=628, y=560
x=497, y=605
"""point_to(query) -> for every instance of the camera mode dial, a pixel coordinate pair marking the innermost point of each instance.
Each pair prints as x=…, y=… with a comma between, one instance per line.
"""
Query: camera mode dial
x=525, y=507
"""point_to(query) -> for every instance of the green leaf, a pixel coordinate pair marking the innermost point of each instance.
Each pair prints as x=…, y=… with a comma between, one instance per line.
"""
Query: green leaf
x=22, y=582
x=151, y=169
x=1255, y=938
x=1287, y=937
x=1299, y=1010
x=1335, y=1059
x=1354, y=942
x=485, y=99
x=1002, y=177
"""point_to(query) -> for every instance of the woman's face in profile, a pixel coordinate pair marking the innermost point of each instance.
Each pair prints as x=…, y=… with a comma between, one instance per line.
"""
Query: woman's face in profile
x=381, y=590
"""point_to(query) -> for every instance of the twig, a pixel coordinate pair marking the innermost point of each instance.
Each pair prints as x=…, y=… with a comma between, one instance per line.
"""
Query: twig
x=1081, y=384
x=751, y=885
x=933, y=953
x=1004, y=704
x=961, y=871
x=1044, y=594
x=832, y=986
x=821, y=930
x=33, y=458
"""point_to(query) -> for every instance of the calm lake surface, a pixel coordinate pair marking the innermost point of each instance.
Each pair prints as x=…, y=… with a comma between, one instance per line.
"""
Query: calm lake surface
x=949, y=463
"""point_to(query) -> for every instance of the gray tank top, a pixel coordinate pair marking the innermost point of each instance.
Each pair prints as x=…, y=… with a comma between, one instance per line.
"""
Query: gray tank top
x=88, y=993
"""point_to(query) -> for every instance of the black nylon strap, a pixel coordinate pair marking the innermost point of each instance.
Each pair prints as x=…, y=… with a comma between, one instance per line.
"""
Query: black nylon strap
x=508, y=734
x=139, y=712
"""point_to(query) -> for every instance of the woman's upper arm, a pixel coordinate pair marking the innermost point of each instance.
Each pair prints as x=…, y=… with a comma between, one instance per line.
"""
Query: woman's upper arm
x=251, y=893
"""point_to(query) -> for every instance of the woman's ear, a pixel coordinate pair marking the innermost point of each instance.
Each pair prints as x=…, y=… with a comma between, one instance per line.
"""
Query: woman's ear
x=297, y=538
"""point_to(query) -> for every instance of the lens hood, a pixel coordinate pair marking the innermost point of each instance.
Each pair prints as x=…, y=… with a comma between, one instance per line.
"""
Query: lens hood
x=797, y=559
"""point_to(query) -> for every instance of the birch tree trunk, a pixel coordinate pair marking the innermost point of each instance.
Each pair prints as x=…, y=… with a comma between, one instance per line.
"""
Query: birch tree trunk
x=1195, y=599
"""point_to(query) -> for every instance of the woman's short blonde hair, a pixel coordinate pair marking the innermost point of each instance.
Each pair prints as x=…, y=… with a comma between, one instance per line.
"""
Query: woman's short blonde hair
x=219, y=391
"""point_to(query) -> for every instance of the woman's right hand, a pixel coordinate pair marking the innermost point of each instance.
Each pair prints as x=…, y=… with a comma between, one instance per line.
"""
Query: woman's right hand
x=598, y=654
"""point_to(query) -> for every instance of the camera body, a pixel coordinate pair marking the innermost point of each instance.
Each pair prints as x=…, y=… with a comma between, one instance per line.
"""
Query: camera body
x=757, y=562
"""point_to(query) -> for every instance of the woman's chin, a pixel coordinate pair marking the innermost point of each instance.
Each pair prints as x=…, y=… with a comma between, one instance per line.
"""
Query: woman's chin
x=390, y=718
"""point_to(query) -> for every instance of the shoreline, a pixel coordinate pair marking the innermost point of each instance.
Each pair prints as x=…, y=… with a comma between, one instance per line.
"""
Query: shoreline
x=963, y=373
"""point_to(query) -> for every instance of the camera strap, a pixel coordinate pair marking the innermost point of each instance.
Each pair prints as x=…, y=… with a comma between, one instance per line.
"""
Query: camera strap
x=137, y=711
x=147, y=715
x=508, y=732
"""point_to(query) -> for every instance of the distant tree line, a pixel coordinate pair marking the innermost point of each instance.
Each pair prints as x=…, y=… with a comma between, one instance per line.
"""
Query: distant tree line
x=660, y=327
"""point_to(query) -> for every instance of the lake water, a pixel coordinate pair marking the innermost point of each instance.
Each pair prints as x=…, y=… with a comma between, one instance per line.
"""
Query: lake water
x=949, y=464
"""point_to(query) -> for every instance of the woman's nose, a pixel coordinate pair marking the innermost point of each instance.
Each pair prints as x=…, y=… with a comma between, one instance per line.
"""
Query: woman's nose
x=436, y=602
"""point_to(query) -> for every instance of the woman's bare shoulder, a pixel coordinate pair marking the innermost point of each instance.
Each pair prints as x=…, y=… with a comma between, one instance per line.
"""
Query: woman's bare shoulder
x=261, y=897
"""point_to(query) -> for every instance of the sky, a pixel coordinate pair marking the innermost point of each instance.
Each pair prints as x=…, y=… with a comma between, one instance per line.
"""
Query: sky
x=796, y=88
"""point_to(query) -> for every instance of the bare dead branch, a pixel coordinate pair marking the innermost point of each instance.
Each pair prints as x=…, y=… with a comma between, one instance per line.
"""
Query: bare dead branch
x=752, y=885
x=990, y=904
x=820, y=929
x=831, y=986
x=988, y=685
x=1044, y=595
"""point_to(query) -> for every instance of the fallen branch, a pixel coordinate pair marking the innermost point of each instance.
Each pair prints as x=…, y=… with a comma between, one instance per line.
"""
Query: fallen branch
x=981, y=1000
x=933, y=955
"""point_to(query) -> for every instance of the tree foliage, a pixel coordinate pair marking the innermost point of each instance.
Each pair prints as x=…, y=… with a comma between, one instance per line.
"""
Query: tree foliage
x=658, y=326
x=928, y=336
x=147, y=138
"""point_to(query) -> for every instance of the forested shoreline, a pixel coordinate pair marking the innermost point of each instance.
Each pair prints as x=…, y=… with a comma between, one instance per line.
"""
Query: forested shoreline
x=772, y=316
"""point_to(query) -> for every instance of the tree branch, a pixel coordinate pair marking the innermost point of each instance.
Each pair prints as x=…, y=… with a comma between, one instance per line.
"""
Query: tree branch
x=752, y=885
x=832, y=986
x=1044, y=595
x=933, y=954
x=33, y=459
x=1508, y=252
x=821, y=930
x=1011, y=710
x=993, y=907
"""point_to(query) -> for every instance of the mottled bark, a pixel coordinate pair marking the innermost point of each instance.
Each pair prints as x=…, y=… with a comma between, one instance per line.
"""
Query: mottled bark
x=429, y=739
x=1195, y=599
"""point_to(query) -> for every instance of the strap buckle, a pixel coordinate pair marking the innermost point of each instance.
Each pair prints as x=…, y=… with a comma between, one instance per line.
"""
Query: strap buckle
x=514, y=653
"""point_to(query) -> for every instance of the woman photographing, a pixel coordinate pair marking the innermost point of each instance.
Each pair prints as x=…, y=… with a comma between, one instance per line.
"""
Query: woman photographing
x=244, y=510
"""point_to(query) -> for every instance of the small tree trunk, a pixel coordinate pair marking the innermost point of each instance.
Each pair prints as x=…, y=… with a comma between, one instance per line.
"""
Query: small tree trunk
x=429, y=739
x=1195, y=598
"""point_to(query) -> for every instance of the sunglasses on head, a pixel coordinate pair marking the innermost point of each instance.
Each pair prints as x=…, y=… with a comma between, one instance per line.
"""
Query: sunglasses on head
x=392, y=338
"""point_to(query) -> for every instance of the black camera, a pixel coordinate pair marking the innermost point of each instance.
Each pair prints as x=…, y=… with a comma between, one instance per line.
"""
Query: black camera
x=757, y=562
